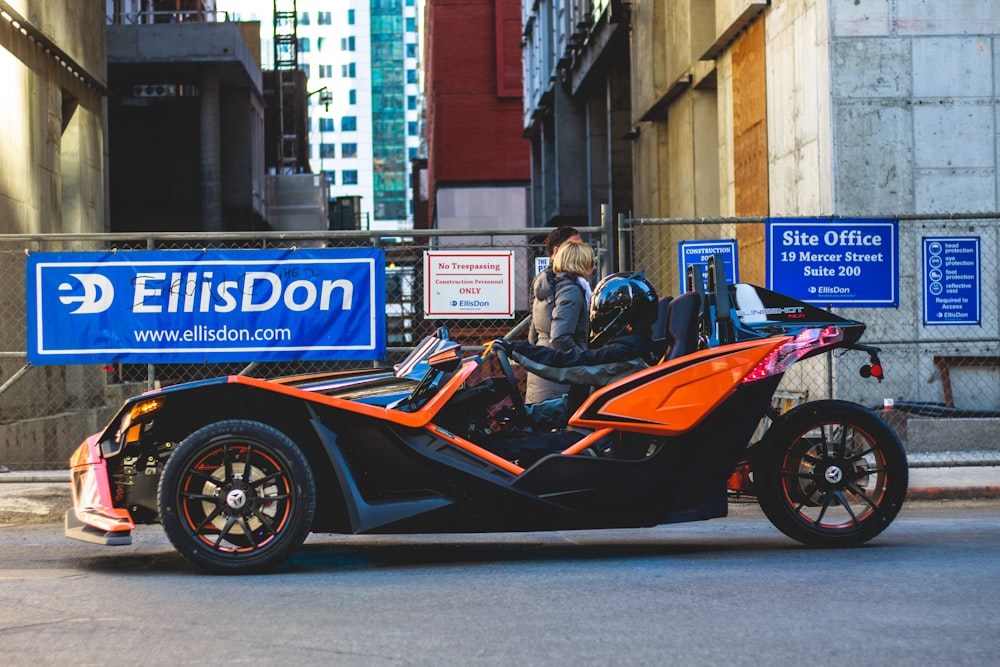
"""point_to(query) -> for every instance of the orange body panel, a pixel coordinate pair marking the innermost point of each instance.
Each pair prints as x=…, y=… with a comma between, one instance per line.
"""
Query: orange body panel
x=91, y=491
x=673, y=401
x=416, y=419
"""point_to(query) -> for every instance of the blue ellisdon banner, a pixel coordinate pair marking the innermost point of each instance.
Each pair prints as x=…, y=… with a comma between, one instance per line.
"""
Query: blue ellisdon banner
x=174, y=306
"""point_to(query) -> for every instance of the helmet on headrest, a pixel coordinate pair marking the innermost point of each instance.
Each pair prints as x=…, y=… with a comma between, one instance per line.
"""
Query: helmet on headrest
x=621, y=302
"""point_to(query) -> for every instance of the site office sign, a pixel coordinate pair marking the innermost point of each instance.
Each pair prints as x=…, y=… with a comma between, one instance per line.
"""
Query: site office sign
x=851, y=262
x=174, y=306
x=468, y=285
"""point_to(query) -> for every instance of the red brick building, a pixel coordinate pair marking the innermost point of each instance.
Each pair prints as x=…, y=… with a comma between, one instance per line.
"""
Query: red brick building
x=479, y=166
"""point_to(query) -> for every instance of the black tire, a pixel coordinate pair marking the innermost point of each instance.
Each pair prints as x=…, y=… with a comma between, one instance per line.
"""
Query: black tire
x=237, y=496
x=830, y=474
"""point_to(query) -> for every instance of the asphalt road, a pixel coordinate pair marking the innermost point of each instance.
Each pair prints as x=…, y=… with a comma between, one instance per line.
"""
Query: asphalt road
x=729, y=592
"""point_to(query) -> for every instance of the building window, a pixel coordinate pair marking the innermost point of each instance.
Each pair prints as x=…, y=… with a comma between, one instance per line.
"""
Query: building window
x=320, y=43
x=412, y=153
x=303, y=45
x=411, y=128
x=411, y=24
x=352, y=97
x=326, y=125
x=411, y=50
x=326, y=71
x=331, y=177
x=305, y=68
x=347, y=43
x=328, y=150
x=349, y=71
x=304, y=18
x=324, y=18
x=411, y=76
x=349, y=124
x=411, y=102
x=350, y=177
x=350, y=17
x=348, y=150
x=409, y=3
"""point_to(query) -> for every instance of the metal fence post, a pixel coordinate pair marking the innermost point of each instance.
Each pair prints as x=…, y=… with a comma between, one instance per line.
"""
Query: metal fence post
x=623, y=265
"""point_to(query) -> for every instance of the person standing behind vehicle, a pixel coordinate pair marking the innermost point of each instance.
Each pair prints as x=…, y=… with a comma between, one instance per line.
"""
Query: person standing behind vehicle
x=542, y=295
x=560, y=308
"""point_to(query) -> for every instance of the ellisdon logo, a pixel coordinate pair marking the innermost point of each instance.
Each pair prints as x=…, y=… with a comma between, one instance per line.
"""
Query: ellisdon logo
x=197, y=292
x=469, y=304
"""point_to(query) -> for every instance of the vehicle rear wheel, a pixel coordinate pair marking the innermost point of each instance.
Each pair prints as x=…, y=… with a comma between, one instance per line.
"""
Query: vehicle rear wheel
x=830, y=473
x=237, y=496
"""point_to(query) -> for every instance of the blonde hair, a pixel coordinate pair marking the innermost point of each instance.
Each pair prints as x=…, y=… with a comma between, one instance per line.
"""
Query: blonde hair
x=574, y=257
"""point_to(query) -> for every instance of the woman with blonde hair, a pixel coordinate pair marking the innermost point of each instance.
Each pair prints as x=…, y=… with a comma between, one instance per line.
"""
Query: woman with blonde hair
x=560, y=314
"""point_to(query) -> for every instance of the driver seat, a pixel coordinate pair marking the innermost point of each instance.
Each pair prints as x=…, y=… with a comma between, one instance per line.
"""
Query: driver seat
x=683, y=313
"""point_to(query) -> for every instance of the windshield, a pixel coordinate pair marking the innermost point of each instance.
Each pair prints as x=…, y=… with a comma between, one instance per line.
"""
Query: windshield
x=415, y=365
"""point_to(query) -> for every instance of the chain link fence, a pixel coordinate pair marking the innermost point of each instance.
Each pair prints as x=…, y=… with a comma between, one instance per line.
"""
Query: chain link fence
x=942, y=383
x=45, y=411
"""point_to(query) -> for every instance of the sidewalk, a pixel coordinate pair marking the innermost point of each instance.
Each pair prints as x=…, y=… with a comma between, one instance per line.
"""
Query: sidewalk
x=44, y=496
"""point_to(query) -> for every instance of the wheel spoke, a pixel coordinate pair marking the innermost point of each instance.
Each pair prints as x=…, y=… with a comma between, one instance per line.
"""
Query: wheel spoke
x=839, y=496
x=265, y=521
x=205, y=477
x=798, y=475
x=267, y=478
x=207, y=520
x=842, y=445
x=199, y=497
x=824, y=441
x=230, y=522
x=826, y=505
x=861, y=455
x=248, y=532
x=809, y=458
x=860, y=493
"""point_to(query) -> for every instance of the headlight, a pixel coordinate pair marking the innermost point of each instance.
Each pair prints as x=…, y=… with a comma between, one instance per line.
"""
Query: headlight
x=129, y=429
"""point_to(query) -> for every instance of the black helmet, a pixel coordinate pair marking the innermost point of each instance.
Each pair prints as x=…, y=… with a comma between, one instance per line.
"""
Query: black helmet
x=621, y=302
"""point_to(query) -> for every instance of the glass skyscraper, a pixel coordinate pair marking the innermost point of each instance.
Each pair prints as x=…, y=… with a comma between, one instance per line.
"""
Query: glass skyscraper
x=362, y=58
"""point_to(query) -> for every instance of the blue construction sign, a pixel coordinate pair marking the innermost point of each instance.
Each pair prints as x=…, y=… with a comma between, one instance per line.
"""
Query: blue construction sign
x=951, y=280
x=834, y=262
x=698, y=252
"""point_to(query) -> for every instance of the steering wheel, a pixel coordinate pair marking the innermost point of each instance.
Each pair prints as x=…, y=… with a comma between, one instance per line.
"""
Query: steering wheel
x=513, y=390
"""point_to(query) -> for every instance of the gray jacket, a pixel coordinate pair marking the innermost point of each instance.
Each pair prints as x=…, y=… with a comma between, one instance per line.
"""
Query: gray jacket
x=560, y=319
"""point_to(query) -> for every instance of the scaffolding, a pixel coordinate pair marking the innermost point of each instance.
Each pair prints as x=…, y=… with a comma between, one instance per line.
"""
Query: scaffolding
x=286, y=61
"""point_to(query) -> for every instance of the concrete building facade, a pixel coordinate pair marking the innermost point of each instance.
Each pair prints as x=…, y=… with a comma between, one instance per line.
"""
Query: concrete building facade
x=814, y=107
x=577, y=110
x=186, y=123
x=52, y=180
x=53, y=76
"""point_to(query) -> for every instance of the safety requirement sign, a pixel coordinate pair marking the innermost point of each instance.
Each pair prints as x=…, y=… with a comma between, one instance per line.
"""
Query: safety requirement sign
x=468, y=284
x=951, y=280
x=835, y=262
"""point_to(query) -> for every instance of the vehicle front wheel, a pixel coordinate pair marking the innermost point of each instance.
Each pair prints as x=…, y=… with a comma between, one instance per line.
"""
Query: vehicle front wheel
x=237, y=496
x=830, y=473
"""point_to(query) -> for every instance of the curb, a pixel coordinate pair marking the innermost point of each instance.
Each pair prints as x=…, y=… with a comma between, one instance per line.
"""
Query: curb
x=25, y=477
x=954, y=493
